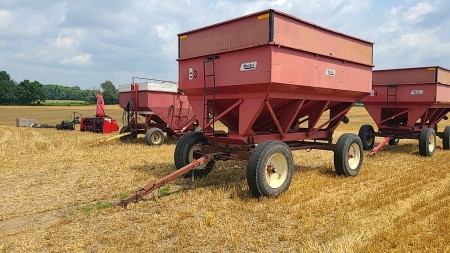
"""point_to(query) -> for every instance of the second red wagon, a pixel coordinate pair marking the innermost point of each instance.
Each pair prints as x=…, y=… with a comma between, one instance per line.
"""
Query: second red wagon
x=408, y=104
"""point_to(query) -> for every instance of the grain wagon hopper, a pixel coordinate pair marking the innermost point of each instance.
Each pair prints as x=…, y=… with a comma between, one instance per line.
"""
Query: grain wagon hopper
x=408, y=104
x=154, y=107
x=278, y=84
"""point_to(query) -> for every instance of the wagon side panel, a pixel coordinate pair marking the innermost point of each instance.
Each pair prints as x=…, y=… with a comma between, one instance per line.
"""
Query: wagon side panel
x=298, y=34
x=405, y=76
x=443, y=94
x=241, y=33
x=443, y=76
x=306, y=69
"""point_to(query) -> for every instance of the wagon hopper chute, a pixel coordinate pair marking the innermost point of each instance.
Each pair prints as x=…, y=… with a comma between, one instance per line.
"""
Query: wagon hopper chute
x=408, y=104
x=278, y=83
x=153, y=107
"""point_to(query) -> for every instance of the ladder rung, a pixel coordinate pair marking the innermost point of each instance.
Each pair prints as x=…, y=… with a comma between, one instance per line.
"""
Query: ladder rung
x=209, y=75
x=209, y=89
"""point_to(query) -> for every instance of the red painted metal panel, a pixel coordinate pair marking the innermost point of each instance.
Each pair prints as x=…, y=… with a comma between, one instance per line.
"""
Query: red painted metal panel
x=443, y=76
x=443, y=94
x=241, y=33
x=306, y=69
x=171, y=109
x=412, y=76
x=295, y=33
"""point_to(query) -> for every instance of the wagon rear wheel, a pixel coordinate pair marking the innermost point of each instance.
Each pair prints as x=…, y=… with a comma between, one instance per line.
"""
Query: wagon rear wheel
x=154, y=136
x=185, y=154
x=270, y=168
x=348, y=155
x=427, y=142
x=367, y=136
x=446, y=138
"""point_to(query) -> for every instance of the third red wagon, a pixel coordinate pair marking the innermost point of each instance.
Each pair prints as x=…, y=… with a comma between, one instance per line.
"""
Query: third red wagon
x=408, y=104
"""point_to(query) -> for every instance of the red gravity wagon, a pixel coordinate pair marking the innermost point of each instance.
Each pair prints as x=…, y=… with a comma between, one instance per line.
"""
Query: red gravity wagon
x=154, y=107
x=408, y=104
x=278, y=84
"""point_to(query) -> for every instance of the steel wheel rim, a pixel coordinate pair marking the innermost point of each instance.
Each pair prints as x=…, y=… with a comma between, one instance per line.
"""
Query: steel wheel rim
x=276, y=179
x=369, y=139
x=156, y=138
x=431, y=142
x=354, y=156
x=195, y=147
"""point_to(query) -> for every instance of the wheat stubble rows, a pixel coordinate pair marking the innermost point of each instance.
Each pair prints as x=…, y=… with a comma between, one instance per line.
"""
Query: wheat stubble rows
x=56, y=191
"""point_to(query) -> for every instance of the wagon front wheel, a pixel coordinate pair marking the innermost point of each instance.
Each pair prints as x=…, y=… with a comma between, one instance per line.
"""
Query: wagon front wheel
x=154, y=136
x=186, y=151
x=270, y=169
x=427, y=142
x=348, y=155
x=446, y=138
x=367, y=136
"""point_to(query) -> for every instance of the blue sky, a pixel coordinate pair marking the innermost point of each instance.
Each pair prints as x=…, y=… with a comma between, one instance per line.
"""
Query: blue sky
x=80, y=42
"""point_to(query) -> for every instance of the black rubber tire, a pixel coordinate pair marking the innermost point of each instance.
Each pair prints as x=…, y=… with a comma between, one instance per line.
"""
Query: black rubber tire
x=446, y=138
x=154, y=136
x=257, y=168
x=424, y=142
x=59, y=127
x=367, y=136
x=123, y=130
x=348, y=144
x=182, y=153
x=393, y=142
x=71, y=126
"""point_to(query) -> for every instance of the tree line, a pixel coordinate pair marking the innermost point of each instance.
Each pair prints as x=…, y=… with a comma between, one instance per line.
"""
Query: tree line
x=35, y=93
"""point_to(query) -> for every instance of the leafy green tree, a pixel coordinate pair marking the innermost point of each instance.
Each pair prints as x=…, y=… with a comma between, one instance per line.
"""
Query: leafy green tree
x=89, y=95
x=110, y=93
x=7, y=89
x=30, y=92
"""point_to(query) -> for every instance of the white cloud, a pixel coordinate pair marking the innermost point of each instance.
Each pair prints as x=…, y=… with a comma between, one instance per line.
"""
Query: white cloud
x=64, y=42
x=5, y=18
x=168, y=31
x=415, y=14
x=81, y=59
x=394, y=10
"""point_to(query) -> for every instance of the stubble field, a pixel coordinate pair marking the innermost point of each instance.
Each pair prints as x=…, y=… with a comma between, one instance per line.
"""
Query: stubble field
x=57, y=193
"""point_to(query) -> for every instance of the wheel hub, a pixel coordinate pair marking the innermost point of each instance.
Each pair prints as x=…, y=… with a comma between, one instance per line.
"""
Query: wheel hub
x=276, y=170
x=271, y=170
x=353, y=156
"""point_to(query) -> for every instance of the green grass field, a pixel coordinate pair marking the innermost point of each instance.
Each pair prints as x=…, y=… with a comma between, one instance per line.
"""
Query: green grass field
x=64, y=103
x=58, y=193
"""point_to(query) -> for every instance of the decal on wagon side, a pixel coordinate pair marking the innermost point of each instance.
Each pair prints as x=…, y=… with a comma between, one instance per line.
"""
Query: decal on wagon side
x=246, y=66
x=330, y=72
x=416, y=92
x=192, y=73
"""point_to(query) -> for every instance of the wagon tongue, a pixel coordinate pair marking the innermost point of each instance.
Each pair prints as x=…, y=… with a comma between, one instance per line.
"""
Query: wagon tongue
x=381, y=145
x=153, y=185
